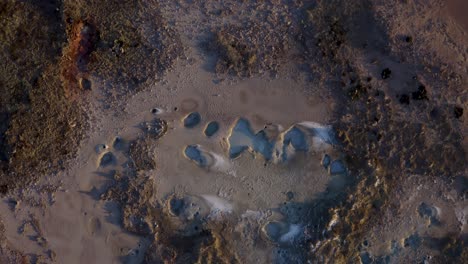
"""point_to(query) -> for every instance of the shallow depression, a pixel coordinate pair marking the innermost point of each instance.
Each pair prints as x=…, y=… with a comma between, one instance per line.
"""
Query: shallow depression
x=259, y=151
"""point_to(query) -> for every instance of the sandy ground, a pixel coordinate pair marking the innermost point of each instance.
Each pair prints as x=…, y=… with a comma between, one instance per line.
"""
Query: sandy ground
x=294, y=206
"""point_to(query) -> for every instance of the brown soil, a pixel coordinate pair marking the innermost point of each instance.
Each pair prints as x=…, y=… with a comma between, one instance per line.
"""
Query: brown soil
x=40, y=128
x=385, y=140
x=132, y=35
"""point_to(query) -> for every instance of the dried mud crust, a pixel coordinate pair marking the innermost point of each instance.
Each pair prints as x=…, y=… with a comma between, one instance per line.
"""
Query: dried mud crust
x=134, y=45
x=39, y=127
x=387, y=138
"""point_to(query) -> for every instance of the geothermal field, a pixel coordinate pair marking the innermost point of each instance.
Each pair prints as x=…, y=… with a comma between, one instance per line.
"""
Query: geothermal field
x=233, y=131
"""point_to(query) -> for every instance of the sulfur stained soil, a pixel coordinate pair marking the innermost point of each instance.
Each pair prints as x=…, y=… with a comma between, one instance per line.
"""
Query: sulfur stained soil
x=94, y=160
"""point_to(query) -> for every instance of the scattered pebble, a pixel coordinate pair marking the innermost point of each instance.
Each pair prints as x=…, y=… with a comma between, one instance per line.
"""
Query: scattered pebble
x=192, y=120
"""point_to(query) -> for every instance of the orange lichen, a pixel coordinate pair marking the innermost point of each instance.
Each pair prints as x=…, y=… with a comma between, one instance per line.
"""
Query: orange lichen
x=81, y=43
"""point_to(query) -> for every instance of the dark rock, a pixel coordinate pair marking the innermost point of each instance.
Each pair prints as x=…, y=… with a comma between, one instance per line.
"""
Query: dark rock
x=404, y=99
x=458, y=111
x=386, y=73
x=421, y=94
